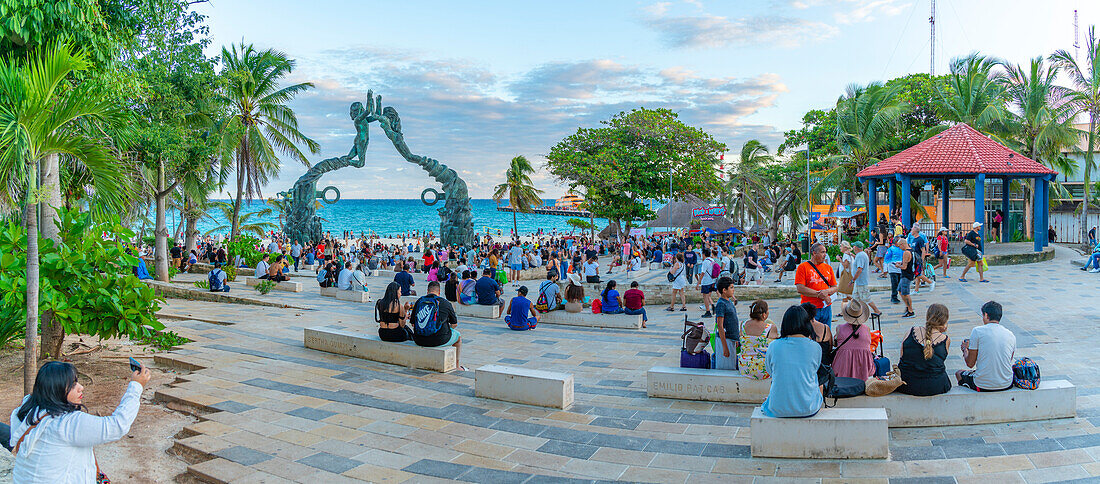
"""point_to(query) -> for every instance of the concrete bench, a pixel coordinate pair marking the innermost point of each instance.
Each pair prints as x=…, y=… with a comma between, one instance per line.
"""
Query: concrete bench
x=834, y=433
x=279, y=286
x=353, y=295
x=329, y=291
x=706, y=385
x=586, y=318
x=368, y=347
x=526, y=386
x=962, y=406
x=462, y=311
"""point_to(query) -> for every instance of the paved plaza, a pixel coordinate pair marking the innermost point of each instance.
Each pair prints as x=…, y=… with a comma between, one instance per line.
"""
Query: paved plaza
x=274, y=411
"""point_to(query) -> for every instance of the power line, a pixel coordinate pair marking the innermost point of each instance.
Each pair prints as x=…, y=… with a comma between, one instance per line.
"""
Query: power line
x=900, y=38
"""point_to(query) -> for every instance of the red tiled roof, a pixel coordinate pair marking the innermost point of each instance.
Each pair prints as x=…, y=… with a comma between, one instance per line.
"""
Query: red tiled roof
x=959, y=149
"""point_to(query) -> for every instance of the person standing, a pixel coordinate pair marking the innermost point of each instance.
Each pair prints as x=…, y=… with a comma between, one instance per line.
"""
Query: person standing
x=815, y=281
x=861, y=284
x=677, y=275
x=974, y=250
x=905, y=279
x=706, y=282
x=690, y=259
x=893, y=256
x=296, y=253
x=727, y=329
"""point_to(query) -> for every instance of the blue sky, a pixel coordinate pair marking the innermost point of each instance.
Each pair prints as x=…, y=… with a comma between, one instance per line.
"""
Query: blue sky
x=477, y=83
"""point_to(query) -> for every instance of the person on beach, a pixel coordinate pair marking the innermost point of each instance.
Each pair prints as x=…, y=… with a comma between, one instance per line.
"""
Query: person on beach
x=52, y=436
x=435, y=323
x=515, y=262
x=520, y=313
x=392, y=316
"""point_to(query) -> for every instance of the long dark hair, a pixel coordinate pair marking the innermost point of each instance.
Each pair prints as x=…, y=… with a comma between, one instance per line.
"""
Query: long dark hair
x=796, y=321
x=389, y=298
x=610, y=285
x=51, y=393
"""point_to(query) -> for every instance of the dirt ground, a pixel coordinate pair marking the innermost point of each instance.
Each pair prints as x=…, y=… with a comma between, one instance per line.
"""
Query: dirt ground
x=104, y=371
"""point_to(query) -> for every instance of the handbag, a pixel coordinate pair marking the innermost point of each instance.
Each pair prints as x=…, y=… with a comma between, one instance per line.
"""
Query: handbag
x=845, y=285
x=877, y=386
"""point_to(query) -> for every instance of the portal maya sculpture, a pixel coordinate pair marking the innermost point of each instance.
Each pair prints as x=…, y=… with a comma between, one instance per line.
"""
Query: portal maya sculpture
x=456, y=224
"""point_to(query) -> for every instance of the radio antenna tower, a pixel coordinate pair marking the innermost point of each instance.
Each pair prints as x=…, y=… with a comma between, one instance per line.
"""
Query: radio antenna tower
x=932, y=29
x=1076, y=43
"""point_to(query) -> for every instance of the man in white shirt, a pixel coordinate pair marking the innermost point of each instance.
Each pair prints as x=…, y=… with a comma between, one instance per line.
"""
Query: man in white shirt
x=989, y=350
x=343, y=280
x=592, y=270
x=262, y=267
x=706, y=282
x=296, y=252
x=462, y=267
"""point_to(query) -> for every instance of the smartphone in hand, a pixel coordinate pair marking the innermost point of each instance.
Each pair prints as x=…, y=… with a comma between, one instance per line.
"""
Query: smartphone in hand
x=135, y=365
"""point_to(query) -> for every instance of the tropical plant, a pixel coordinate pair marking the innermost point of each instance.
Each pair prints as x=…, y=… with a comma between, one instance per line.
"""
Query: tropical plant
x=163, y=340
x=1085, y=98
x=202, y=284
x=580, y=223
x=260, y=122
x=243, y=246
x=764, y=189
x=245, y=225
x=518, y=187
x=265, y=286
x=972, y=95
x=37, y=115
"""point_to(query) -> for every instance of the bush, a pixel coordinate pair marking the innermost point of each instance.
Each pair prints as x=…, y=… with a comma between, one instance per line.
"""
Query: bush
x=163, y=340
x=151, y=241
x=230, y=273
x=203, y=284
x=265, y=286
x=244, y=246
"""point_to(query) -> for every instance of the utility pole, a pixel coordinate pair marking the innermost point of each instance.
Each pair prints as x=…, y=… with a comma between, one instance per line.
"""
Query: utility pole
x=932, y=37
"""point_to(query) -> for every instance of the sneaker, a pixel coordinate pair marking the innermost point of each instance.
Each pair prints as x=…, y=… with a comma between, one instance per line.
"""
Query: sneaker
x=708, y=315
x=1084, y=268
x=908, y=314
x=932, y=287
x=1094, y=270
x=895, y=301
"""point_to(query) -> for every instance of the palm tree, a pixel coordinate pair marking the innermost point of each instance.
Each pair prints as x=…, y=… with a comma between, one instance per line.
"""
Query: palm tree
x=1085, y=98
x=518, y=187
x=245, y=224
x=260, y=121
x=764, y=189
x=972, y=95
x=37, y=115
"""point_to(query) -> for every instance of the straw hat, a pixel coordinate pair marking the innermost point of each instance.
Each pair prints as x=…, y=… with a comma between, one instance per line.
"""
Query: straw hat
x=574, y=278
x=856, y=312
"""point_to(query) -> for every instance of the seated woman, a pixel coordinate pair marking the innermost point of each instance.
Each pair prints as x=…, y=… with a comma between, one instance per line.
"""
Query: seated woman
x=756, y=334
x=853, y=357
x=634, y=302
x=467, y=296
x=792, y=361
x=611, y=302
x=391, y=316
x=574, y=294
x=922, y=355
x=450, y=288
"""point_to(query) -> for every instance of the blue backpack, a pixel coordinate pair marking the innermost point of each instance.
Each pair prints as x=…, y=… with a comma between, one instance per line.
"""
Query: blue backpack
x=426, y=316
x=321, y=275
x=1025, y=374
x=214, y=281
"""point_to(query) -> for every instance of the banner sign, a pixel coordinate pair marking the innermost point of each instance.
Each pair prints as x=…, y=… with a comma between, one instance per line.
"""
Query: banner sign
x=708, y=212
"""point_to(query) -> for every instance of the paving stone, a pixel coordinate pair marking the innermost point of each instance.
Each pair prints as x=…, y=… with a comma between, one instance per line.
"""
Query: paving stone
x=242, y=455
x=311, y=413
x=568, y=449
x=330, y=462
x=435, y=468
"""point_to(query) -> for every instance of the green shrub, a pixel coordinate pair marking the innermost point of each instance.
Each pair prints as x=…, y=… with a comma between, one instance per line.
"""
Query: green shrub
x=203, y=284
x=244, y=246
x=230, y=273
x=163, y=340
x=265, y=286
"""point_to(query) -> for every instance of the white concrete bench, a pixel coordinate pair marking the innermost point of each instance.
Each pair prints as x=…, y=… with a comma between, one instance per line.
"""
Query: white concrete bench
x=329, y=291
x=586, y=318
x=353, y=295
x=963, y=406
x=707, y=385
x=526, y=386
x=834, y=433
x=368, y=347
x=621, y=272
x=463, y=311
x=279, y=286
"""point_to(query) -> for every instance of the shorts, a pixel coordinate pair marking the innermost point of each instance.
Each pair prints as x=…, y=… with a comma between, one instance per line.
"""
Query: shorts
x=455, y=335
x=517, y=267
x=904, y=284
x=966, y=379
x=880, y=251
x=707, y=288
x=861, y=293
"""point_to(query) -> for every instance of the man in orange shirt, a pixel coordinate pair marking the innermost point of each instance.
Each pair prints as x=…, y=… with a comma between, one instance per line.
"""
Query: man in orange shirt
x=816, y=283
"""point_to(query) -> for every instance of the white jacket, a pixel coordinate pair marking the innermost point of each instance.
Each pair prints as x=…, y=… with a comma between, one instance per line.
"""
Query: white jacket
x=59, y=449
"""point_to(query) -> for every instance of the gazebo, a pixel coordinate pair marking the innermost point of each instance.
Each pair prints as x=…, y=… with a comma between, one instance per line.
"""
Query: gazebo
x=961, y=152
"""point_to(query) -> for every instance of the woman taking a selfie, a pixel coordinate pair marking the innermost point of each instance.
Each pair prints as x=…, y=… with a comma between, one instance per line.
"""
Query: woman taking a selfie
x=53, y=437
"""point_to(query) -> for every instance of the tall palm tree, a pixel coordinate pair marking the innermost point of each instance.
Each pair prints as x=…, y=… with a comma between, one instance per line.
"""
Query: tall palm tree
x=38, y=112
x=520, y=190
x=1085, y=98
x=260, y=122
x=245, y=224
x=972, y=95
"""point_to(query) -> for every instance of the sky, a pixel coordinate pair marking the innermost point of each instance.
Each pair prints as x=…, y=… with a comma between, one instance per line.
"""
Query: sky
x=479, y=82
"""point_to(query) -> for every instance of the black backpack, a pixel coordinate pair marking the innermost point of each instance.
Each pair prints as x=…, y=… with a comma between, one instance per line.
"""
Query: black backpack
x=837, y=387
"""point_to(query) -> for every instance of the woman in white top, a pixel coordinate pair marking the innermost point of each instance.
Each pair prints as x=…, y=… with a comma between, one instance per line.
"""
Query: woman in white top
x=54, y=437
x=679, y=280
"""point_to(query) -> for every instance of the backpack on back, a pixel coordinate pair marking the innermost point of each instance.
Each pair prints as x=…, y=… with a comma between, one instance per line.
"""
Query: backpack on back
x=426, y=316
x=214, y=281
x=1025, y=374
x=715, y=270
x=542, y=305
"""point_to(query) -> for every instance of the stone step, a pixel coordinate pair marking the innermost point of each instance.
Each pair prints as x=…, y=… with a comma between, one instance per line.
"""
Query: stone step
x=834, y=433
x=287, y=286
x=368, y=347
x=328, y=291
x=706, y=385
x=353, y=295
x=523, y=385
x=586, y=318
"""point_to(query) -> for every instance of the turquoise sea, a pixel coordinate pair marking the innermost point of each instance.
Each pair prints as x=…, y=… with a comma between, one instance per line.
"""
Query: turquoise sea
x=394, y=216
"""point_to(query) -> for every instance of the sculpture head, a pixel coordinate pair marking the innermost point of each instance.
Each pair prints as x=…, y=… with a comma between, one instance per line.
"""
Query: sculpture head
x=356, y=109
x=395, y=120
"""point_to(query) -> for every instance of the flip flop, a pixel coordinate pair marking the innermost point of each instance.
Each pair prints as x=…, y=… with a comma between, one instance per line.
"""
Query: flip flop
x=962, y=280
x=670, y=309
x=984, y=280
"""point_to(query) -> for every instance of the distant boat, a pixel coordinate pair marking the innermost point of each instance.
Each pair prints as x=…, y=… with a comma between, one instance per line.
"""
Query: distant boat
x=569, y=201
x=568, y=205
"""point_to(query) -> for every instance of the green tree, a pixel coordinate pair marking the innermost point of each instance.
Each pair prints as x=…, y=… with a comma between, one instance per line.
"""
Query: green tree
x=917, y=93
x=632, y=158
x=244, y=220
x=260, y=122
x=520, y=190
x=764, y=189
x=819, y=130
x=973, y=95
x=36, y=117
x=1085, y=98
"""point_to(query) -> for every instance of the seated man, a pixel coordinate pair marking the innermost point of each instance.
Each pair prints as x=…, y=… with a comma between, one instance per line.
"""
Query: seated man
x=275, y=271
x=549, y=297
x=518, y=310
x=343, y=280
x=216, y=279
x=488, y=290
x=262, y=267
x=404, y=279
x=435, y=323
x=988, y=350
x=1094, y=261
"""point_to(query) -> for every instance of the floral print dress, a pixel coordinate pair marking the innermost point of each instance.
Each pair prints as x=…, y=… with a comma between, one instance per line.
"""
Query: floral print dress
x=750, y=360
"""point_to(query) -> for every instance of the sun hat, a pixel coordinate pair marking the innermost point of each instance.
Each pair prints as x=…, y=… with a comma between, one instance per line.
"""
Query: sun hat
x=976, y=225
x=944, y=229
x=574, y=278
x=856, y=312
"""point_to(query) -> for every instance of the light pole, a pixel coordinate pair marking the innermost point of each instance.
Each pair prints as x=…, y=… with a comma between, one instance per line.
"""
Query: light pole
x=809, y=204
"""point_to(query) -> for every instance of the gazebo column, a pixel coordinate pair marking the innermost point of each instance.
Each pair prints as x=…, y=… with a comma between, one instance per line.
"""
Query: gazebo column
x=945, y=212
x=906, y=216
x=1037, y=227
x=1006, y=229
x=1046, y=212
x=979, y=204
x=872, y=208
x=892, y=186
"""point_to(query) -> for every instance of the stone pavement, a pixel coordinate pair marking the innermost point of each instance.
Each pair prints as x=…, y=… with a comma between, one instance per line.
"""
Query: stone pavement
x=274, y=411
